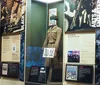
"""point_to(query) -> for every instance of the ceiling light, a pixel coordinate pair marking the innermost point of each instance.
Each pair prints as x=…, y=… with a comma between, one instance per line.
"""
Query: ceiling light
x=49, y=1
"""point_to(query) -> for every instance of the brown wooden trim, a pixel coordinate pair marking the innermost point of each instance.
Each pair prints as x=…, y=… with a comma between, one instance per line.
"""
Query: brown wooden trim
x=81, y=31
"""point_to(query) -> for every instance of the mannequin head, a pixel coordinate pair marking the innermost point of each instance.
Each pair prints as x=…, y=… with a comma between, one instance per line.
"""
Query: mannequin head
x=53, y=20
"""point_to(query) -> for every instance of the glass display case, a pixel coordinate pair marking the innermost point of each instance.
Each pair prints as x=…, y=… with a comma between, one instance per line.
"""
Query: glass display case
x=44, y=44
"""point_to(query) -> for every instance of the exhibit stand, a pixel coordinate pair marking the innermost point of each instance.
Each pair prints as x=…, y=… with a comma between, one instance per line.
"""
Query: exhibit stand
x=44, y=43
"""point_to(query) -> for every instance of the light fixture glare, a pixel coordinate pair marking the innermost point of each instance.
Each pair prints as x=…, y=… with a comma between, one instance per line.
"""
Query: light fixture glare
x=49, y=1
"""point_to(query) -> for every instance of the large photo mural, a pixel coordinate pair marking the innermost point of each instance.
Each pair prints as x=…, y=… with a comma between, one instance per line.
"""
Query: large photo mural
x=81, y=14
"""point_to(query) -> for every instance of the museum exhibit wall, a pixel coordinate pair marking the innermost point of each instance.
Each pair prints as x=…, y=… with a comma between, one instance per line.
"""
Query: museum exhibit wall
x=82, y=43
x=81, y=48
x=78, y=51
x=12, y=44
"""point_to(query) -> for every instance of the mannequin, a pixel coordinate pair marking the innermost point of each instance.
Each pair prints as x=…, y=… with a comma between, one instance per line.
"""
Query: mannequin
x=52, y=41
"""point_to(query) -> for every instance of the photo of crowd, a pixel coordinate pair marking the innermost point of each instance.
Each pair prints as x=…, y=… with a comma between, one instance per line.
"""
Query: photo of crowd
x=74, y=56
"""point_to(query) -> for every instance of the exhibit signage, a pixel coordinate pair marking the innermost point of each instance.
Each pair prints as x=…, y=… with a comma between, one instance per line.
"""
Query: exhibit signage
x=11, y=48
x=10, y=70
x=38, y=74
x=48, y=52
x=79, y=73
x=80, y=49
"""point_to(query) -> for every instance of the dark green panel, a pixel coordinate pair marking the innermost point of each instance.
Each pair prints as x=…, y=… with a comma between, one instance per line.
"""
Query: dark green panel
x=36, y=26
x=36, y=30
x=60, y=8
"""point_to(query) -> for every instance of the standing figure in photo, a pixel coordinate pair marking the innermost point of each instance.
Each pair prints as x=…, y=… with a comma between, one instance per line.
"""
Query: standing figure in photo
x=16, y=12
x=4, y=16
x=69, y=12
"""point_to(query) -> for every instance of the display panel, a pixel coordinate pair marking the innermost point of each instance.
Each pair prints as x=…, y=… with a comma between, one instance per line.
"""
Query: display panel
x=11, y=48
x=38, y=74
x=81, y=51
x=10, y=70
x=79, y=73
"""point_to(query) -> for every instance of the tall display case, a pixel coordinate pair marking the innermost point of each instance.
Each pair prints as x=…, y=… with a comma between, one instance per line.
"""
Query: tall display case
x=44, y=50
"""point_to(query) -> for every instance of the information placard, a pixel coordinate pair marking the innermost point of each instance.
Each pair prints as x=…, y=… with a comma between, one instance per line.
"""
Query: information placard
x=79, y=48
x=48, y=52
x=79, y=73
x=10, y=70
x=38, y=74
x=10, y=48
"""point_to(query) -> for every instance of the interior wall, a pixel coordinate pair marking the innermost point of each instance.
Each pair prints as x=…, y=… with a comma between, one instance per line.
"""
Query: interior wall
x=36, y=23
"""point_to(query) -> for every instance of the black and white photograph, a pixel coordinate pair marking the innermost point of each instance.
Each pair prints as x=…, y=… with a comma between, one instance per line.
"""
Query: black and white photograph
x=11, y=15
x=5, y=69
x=81, y=15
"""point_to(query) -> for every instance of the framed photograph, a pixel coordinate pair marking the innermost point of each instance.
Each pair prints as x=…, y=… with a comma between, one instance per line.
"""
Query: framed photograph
x=71, y=72
x=79, y=73
x=52, y=12
x=74, y=56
